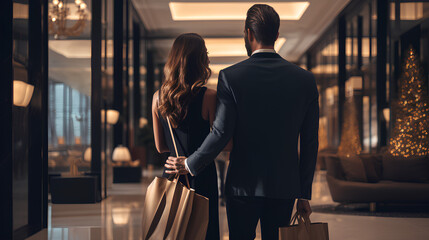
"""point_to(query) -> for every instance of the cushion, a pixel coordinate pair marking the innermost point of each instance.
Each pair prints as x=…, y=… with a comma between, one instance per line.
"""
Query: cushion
x=414, y=169
x=373, y=167
x=334, y=168
x=353, y=168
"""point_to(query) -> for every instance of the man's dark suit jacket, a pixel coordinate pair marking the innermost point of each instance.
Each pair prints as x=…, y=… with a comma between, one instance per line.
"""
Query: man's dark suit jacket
x=265, y=103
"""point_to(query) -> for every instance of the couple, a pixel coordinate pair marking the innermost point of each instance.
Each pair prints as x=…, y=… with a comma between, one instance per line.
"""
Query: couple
x=262, y=106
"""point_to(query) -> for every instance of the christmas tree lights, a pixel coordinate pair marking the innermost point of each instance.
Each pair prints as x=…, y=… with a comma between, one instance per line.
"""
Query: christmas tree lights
x=410, y=132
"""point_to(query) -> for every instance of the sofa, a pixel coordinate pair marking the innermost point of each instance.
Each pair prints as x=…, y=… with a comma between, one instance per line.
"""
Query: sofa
x=377, y=179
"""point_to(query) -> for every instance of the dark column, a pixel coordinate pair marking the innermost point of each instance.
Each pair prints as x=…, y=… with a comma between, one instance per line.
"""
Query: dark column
x=126, y=100
x=341, y=71
x=96, y=93
x=136, y=75
x=382, y=25
x=38, y=115
x=118, y=94
x=150, y=80
x=6, y=12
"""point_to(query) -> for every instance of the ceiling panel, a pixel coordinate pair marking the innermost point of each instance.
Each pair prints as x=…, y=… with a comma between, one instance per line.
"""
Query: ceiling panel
x=300, y=34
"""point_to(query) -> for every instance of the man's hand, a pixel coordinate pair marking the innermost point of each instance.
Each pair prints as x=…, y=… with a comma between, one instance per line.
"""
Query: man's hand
x=176, y=165
x=303, y=208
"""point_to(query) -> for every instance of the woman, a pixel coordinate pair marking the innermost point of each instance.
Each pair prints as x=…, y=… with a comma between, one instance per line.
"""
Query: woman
x=190, y=108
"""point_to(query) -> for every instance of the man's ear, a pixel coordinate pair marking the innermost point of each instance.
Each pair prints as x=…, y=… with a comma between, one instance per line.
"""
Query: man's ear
x=277, y=36
x=250, y=35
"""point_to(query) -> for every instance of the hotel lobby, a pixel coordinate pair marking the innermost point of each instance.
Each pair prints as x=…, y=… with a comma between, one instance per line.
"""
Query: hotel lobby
x=78, y=151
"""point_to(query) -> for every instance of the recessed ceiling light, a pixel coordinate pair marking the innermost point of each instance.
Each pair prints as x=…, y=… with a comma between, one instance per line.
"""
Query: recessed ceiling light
x=232, y=47
x=188, y=11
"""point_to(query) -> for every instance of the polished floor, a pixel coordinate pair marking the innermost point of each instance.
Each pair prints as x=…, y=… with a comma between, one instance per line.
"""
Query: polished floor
x=119, y=217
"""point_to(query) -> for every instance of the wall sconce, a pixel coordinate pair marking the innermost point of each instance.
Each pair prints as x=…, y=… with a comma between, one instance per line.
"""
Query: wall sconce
x=143, y=122
x=121, y=154
x=22, y=93
x=112, y=116
x=386, y=115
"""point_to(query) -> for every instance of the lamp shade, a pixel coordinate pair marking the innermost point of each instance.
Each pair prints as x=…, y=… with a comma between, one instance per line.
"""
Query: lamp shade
x=143, y=122
x=121, y=154
x=112, y=116
x=386, y=114
x=22, y=93
x=87, y=155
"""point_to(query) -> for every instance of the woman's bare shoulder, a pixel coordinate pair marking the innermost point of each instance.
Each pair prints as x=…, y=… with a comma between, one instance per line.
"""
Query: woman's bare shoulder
x=210, y=94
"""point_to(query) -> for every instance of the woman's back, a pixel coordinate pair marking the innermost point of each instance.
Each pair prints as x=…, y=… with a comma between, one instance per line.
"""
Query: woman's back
x=192, y=131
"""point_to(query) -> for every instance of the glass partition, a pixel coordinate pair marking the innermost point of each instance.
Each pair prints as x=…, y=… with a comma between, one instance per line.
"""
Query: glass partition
x=69, y=103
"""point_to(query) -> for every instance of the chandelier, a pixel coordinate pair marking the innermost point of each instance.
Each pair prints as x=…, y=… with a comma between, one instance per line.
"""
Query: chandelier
x=59, y=13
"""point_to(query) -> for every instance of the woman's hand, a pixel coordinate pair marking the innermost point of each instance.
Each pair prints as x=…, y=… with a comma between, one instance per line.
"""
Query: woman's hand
x=176, y=165
x=303, y=207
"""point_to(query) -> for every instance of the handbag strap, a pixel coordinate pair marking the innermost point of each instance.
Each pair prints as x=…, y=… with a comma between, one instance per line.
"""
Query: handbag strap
x=175, y=148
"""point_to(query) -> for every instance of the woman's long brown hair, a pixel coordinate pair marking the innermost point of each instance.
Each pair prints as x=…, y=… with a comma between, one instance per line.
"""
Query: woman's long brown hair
x=186, y=71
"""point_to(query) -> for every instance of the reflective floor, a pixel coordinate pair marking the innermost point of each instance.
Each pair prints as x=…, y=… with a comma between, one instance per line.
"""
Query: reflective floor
x=119, y=217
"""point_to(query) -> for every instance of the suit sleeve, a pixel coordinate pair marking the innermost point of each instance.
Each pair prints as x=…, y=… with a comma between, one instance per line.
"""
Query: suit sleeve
x=309, y=143
x=223, y=129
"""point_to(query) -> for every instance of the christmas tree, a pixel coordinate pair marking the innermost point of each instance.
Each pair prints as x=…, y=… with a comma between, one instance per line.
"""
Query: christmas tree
x=350, y=138
x=410, y=133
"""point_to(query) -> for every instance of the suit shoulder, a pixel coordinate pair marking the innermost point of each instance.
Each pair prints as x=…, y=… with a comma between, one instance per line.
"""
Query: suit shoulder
x=236, y=66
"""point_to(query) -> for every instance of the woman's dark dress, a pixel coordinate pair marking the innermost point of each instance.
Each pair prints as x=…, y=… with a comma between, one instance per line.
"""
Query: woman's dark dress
x=189, y=136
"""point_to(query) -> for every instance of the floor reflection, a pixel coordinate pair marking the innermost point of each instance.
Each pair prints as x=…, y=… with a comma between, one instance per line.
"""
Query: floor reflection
x=119, y=217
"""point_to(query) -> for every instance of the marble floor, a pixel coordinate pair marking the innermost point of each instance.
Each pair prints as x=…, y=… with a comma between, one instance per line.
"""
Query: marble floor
x=119, y=217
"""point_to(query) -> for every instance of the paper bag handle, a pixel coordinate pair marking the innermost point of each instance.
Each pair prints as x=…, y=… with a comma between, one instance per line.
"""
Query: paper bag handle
x=177, y=152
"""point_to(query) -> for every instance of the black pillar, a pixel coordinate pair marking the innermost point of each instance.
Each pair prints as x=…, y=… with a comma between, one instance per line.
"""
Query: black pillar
x=6, y=13
x=382, y=25
x=126, y=100
x=150, y=80
x=118, y=94
x=342, y=74
x=136, y=75
x=38, y=115
x=96, y=93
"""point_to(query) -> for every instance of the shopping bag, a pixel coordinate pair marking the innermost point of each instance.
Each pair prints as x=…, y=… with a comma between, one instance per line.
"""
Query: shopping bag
x=304, y=230
x=173, y=211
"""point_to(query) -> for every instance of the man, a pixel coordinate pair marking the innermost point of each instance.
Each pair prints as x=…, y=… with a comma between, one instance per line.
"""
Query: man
x=265, y=104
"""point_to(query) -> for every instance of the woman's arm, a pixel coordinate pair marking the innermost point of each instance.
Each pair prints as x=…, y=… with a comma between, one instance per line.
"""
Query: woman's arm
x=209, y=111
x=158, y=131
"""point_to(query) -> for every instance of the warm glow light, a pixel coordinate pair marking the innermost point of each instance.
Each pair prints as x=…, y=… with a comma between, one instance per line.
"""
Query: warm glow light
x=352, y=84
x=331, y=93
x=121, y=215
x=386, y=114
x=87, y=155
x=217, y=67
x=22, y=93
x=408, y=11
x=352, y=47
x=188, y=11
x=232, y=47
x=76, y=48
x=112, y=116
x=143, y=122
x=325, y=69
x=121, y=154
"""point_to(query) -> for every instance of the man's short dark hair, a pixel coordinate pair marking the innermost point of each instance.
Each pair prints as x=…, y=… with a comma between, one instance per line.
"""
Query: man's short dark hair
x=264, y=22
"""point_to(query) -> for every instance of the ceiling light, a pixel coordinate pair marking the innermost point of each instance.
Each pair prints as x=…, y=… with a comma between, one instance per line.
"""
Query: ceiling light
x=188, y=11
x=232, y=47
